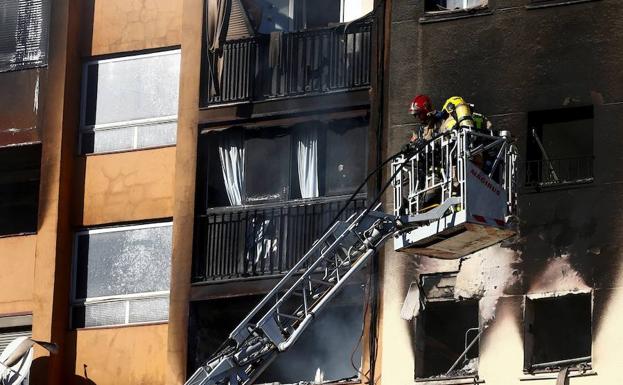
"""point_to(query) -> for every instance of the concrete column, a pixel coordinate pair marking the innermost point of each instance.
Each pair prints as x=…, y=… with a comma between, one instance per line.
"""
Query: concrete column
x=53, y=250
x=183, y=211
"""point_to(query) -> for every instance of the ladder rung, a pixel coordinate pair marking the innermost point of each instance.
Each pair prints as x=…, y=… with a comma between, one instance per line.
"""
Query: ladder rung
x=289, y=316
x=321, y=282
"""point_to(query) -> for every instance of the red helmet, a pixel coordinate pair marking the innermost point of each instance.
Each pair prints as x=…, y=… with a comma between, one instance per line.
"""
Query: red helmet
x=421, y=106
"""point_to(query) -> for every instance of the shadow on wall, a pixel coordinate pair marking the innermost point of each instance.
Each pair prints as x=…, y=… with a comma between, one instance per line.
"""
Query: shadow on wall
x=40, y=365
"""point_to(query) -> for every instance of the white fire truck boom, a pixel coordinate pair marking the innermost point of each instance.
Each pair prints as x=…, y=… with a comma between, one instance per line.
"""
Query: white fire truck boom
x=452, y=197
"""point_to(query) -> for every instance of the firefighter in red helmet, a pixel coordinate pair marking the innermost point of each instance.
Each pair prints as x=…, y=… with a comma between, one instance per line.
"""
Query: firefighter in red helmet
x=427, y=122
x=422, y=110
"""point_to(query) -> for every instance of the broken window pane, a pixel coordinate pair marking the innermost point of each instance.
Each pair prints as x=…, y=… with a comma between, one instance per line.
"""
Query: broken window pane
x=130, y=267
x=19, y=188
x=446, y=329
x=557, y=328
x=23, y=34
x=560, y=147
x=138, y=94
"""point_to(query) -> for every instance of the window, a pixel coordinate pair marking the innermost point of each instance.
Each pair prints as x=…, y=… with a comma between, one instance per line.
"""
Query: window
x=19, y=188
x=12, y=327
x=324, y=351
x=274, y=164
x=292, y=15
x=447, y=330
x=23, y=34
x=557, y=329
x=560, y=147
x=130, y=102
x=452, y=5
x=121, y=275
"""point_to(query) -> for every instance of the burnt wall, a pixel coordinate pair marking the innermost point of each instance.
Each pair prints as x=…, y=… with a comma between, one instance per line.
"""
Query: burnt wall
x=511, y=59
x=21, y=98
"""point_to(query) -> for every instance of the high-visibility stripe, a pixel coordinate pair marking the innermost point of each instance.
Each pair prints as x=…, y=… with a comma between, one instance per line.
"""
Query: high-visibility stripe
x=489, y=221
x=479, y=218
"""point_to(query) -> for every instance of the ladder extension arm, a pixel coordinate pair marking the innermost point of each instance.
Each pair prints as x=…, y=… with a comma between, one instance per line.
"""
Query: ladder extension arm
x=291, y=306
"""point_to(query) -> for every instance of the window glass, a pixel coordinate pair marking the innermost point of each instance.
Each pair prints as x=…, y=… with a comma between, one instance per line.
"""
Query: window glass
x=130, y=102
x=137, y=260
x=267, y=165
x=442, y=5
x=321, y=13
x=122, y=275
x=345, y=156
x=23, y=34
x=276, y=15
x=354, y=9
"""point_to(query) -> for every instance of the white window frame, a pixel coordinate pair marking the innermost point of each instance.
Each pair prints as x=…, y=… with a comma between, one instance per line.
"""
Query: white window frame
x=77, y=302
x=464, y=6
x=137, y=123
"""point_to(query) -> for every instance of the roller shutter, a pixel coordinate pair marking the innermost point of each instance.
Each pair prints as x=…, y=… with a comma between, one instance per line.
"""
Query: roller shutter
x=23, y=34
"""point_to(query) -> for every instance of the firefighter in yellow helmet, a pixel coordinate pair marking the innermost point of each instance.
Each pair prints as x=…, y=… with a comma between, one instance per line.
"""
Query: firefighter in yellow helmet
x=460, y=114
x=457, y=113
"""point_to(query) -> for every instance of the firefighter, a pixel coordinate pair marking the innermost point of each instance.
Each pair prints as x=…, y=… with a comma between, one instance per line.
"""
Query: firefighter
x=456, y=113
x=426, y=123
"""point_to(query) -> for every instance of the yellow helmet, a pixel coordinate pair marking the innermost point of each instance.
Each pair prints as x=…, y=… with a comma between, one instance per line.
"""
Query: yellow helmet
x=452, y=103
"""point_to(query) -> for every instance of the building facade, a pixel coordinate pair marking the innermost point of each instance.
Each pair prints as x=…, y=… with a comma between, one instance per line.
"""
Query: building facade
x=548, y=298
x=166, y=159
x=164, y=163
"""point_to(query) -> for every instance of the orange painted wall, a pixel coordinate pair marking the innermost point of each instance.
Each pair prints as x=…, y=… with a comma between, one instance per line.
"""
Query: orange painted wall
x=126, y=186
x=130, y=25
x=17, y=258
x=134, y=355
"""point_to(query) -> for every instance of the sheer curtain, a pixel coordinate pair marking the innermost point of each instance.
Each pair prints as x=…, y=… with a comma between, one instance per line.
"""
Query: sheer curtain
x=231, y=153
x=307, y=157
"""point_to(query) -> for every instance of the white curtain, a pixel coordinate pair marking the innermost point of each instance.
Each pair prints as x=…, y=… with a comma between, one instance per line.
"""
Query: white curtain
x=307, y=157
x=231, y=153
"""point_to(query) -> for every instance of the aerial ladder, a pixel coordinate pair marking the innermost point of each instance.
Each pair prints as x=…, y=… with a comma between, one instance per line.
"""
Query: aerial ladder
x=453, y=195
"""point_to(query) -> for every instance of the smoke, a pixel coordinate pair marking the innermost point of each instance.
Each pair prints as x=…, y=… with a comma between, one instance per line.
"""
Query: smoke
x=326, y=347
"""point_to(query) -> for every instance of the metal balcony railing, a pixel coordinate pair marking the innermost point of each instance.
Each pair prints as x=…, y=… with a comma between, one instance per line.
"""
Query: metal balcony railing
x=290, y=64
x=556, y=172
x=246, y=242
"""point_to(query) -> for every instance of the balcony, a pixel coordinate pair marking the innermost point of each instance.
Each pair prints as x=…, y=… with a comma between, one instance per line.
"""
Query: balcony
x=263, y=240
x=290, y=64
x=559, y=172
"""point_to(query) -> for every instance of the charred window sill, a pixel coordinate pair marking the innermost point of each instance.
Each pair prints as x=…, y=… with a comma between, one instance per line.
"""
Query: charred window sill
x=542, y=188
x=466, y=380
x=436, y=17
x=554, y=375
x=536, y=4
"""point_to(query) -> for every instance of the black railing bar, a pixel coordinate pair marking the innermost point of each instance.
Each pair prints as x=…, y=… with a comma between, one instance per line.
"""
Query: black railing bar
x=281, y=97
x=272, y=205
x=218, y=280
x=591, y=157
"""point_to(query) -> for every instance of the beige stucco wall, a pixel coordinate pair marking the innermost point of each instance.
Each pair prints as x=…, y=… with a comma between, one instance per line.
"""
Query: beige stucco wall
x=126, y=186
x=134, y=355
x=17, y=258
x=130, y=25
